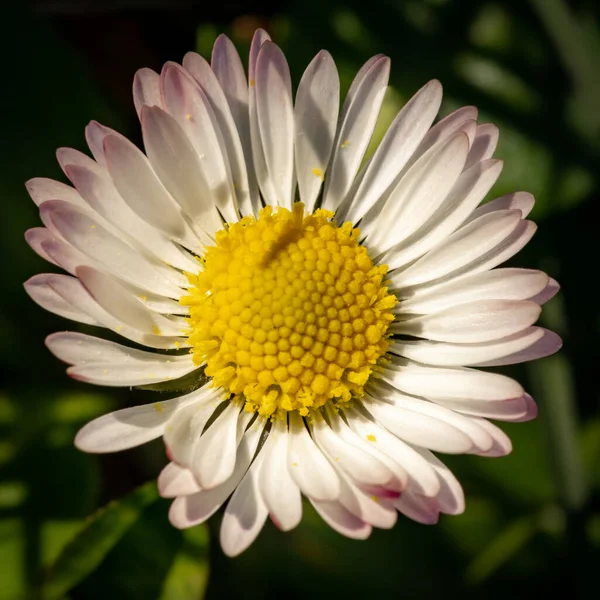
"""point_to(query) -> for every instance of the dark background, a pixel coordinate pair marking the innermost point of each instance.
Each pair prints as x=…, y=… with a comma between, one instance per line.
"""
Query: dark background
x=533, y=519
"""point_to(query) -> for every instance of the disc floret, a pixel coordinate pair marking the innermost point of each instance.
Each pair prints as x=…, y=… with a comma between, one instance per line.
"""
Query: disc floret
x=289, y=311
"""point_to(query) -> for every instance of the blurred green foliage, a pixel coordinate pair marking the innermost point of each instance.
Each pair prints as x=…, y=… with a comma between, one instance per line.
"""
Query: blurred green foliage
x=533, y=519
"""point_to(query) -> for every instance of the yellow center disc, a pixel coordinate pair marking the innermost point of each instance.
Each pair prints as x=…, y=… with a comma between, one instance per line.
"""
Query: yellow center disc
x=289, y=312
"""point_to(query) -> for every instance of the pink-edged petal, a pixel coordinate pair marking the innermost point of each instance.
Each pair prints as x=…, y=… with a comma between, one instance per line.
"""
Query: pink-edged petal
x=522, y=201
x=484, y=145
x=117, y=301
x=473, y=322
x=547, y=344
x=40, y=291
x=459, y=249
x=93, y=240
x=448, y=383
x=214, y=454
x=245, y=514
x=362, y=466
x=197, y=508
x=187, y=103
x=427, y=425
x=339, y=518
x=308, y=466
x=175, y=480
x=471, y=186
x=357, y=120
x=201, y=71
x=42, y=189
x=416, y=473
x=506, y=350
x=228, y=68
x=397, y=146
x=126, y=428
x=146, y=90
x=278, y=490
x=140, y=187
x=417, y=196
x=176, y=163
x=547, y=293
x=275, y=125
x=498, y=284
x=315, y=113
x=36, y=237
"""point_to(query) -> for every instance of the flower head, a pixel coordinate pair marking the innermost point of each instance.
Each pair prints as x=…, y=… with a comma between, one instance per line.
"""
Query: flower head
x=326, y=335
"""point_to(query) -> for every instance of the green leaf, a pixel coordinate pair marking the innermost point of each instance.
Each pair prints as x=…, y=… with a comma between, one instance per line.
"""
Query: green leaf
x=504, y=547
x=90, y=546
x=152, y=560
x=188, y=576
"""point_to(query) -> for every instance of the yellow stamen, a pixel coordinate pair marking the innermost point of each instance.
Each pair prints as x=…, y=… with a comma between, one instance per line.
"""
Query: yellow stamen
x=289, y=312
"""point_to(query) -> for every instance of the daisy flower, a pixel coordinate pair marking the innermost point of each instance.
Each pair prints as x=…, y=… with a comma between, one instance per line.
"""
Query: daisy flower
x=323, y=313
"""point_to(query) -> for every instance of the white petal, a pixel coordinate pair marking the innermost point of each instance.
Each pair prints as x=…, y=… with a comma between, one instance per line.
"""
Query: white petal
x=357, y=121
x=197, y=508
x=505, y=350
x=228, y=69
x=175, y=480
x=188, y=104
x=418, y=508
x=275, y=119
x=42, y=189
x=90, y=238
x=35, y=237
x=257, y=152
x=397, y=146
x=315, y=112
x=116, y=300
x=66, y=256
x=245, y=514
x=80, y=349
x=128, y=427
x=504, y=250
x=200, y=70
x=39, y=290
x=363, y=467
x=460, y=249
x=391, y=414
x=176, y=163
x=502, y=444
x=449, y=383
x=371, y=509
x=101, y=195
x=451, y=498
x=547, y=293
x=547, y=344
x=119, y=375
x=444, y=129
x=499, y=284
x=522, y=201
x=339, y=518
x=146, y=90
x=424, y=425
x=417, y=473
x=71, y=290
x=278, y=490
x=484, y=145
x=473, y=322
x=140, y=187
x=469, y=189
x=308, y=466
x=214, y=454
x=417, y=196
x=186, y=426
